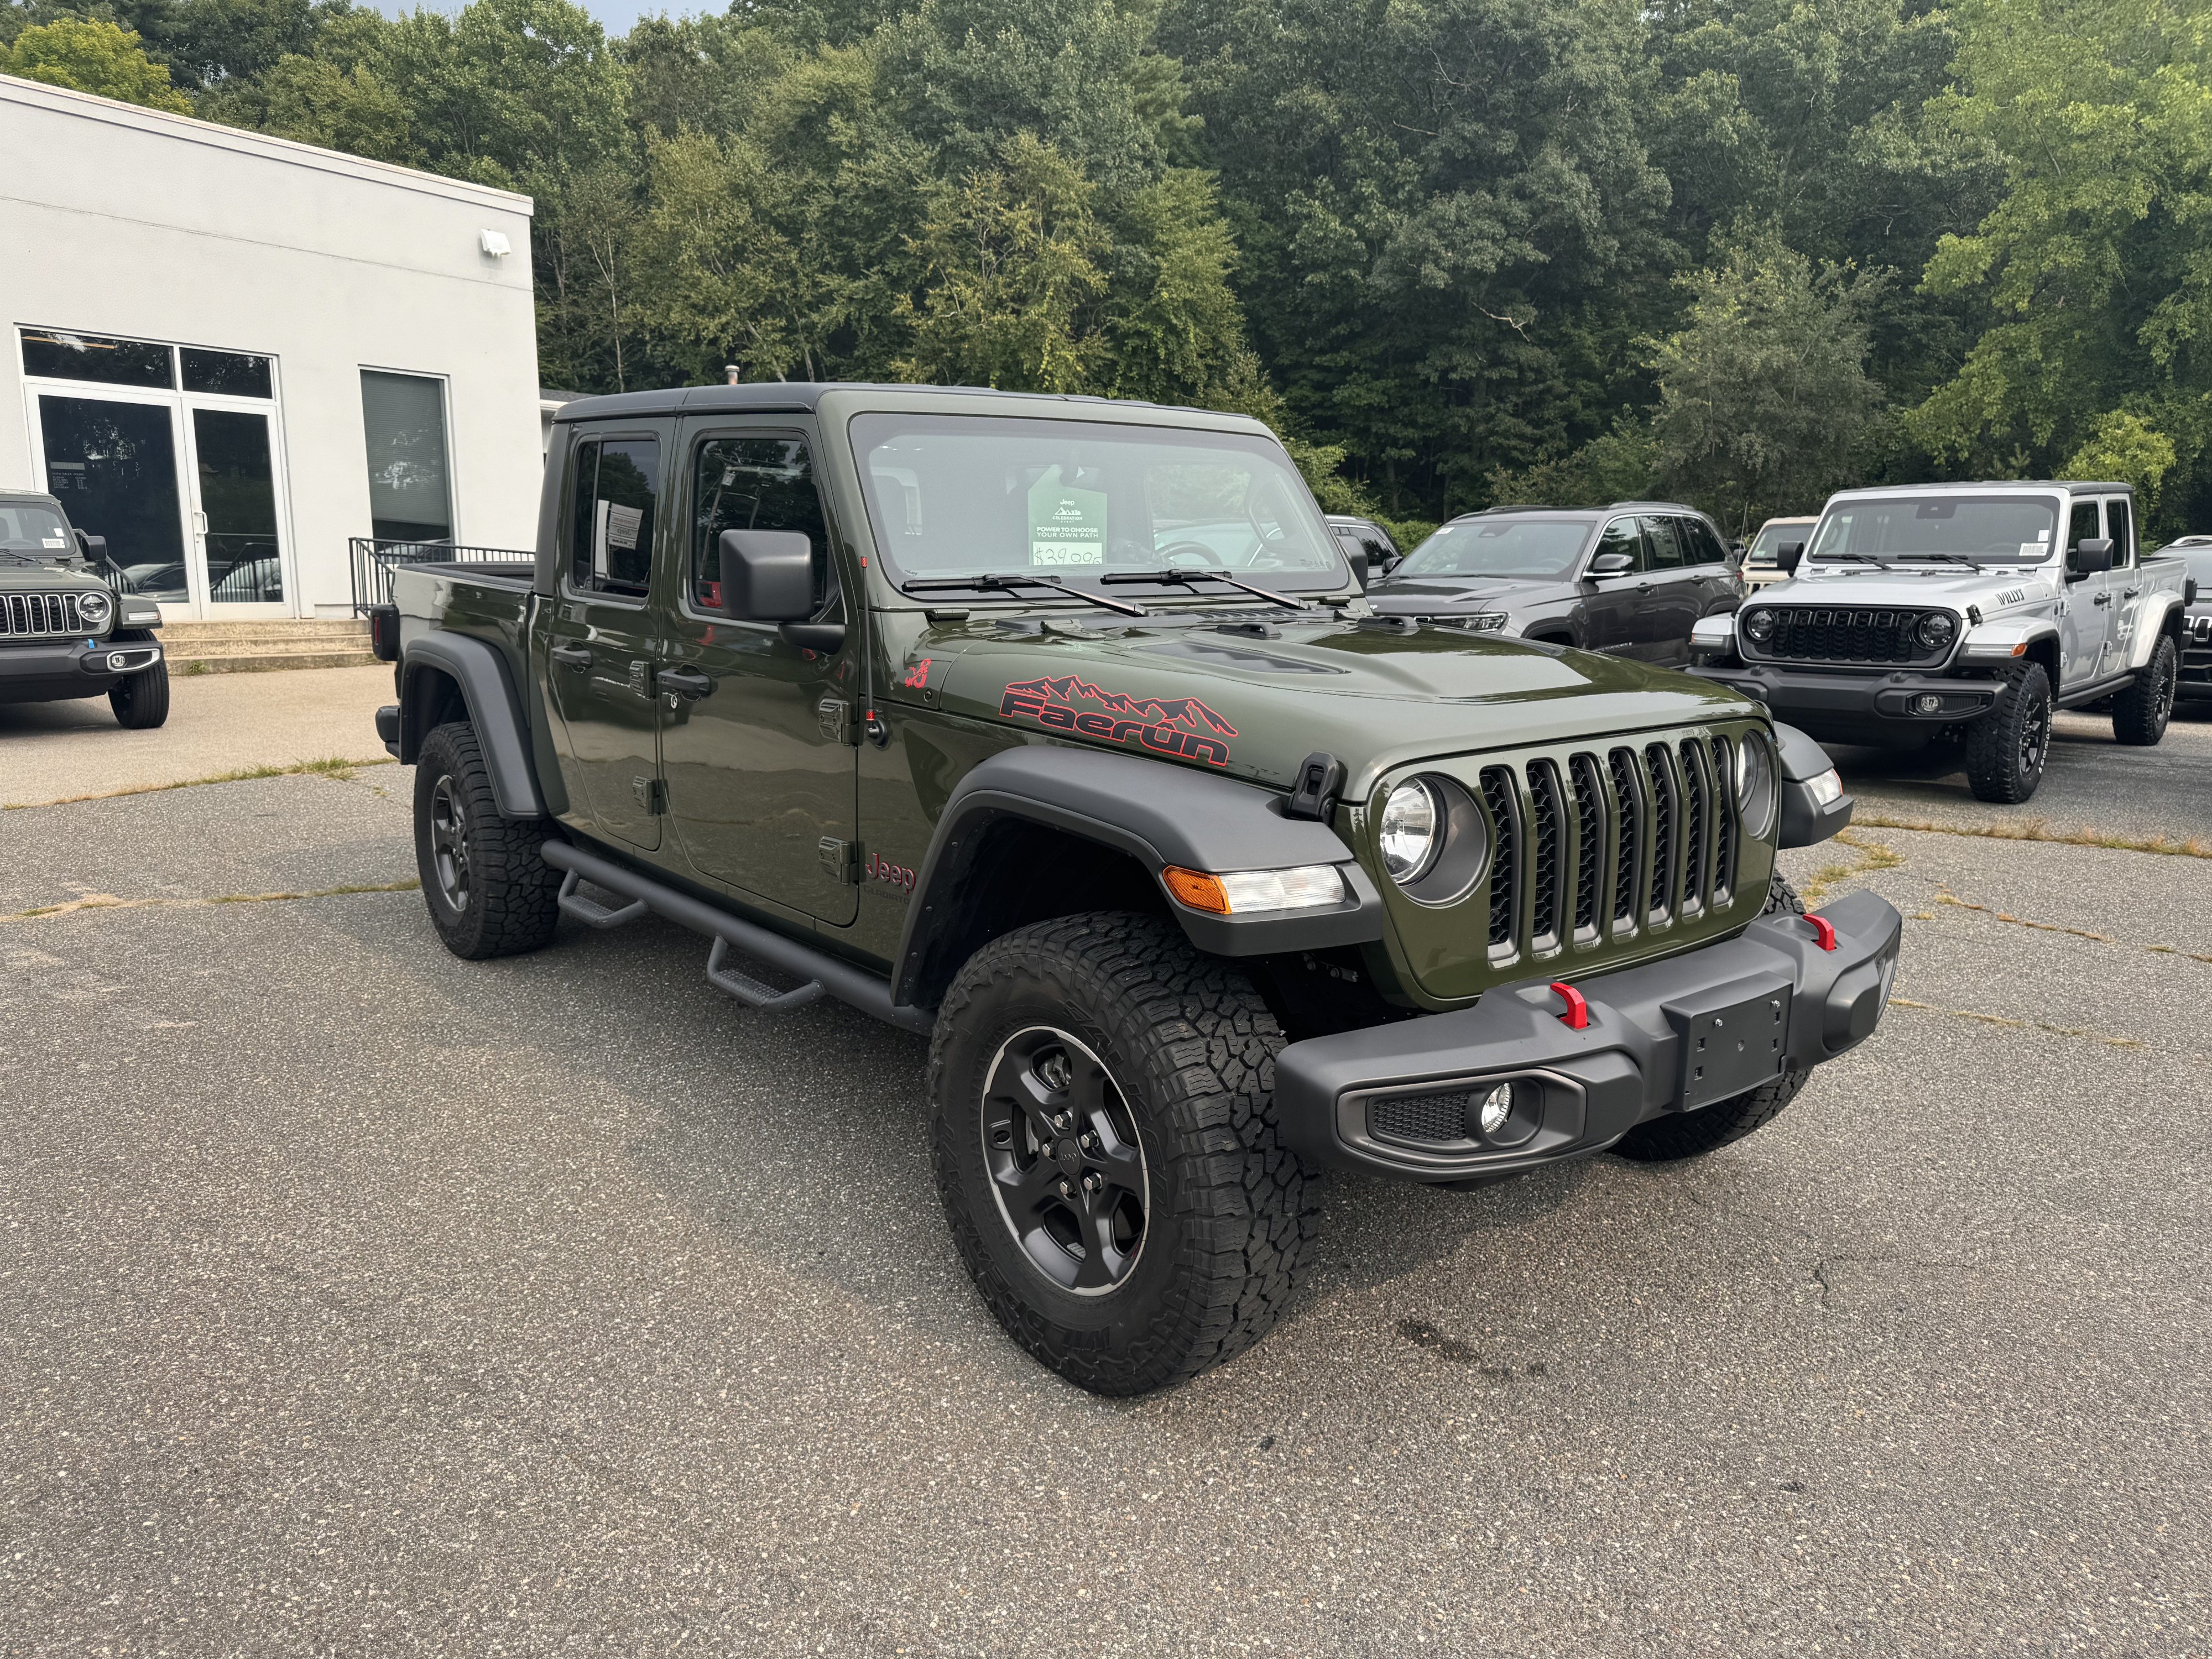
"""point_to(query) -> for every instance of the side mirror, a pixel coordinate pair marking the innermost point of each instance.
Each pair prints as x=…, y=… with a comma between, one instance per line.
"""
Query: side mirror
x=2092, y=555
x=1610, y=564
x=1735, y=555
x=768, y=576
x=1788, y=557
x=94, y=548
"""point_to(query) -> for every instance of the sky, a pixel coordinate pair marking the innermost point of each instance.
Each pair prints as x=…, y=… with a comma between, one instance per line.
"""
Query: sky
x=615, y=16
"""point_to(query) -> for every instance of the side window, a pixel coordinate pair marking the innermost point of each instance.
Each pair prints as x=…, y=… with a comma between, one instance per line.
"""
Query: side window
x=615, y=514
x=1704, y=547
x=1666, y=550
x=2120, y=525
x=2081, y=527
x=754, y=484
x=1620, y=537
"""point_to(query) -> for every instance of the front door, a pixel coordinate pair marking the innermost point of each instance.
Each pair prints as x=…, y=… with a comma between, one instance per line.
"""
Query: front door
x=599, y=636
x=2083, y=607
x=240, y=559
x=1609, y=603
x=1672, y=595
x=757, y=733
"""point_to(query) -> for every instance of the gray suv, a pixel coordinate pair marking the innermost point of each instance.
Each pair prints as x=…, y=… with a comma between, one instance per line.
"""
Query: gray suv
x=1630, y=580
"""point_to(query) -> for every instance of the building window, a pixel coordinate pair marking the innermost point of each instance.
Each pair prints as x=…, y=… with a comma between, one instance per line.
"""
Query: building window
x=61, y=355
x=232, y=373
x=405, y=415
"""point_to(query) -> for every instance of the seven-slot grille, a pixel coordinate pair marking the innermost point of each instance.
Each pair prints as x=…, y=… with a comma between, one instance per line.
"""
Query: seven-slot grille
x=1804, y=633
x=38, y=615
x=1605, y=842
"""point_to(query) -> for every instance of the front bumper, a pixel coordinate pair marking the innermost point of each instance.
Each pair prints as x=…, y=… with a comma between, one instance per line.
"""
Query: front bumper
x=1668, y=1036
x=55, y=669
x=1831, y=702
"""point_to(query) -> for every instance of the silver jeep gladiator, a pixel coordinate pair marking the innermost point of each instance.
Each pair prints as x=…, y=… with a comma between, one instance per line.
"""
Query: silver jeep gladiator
x=1963, y=611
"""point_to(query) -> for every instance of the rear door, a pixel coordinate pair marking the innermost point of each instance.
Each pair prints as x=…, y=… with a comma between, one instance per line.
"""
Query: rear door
x=2124, y=585
x=759, y=735
x=600, y=636
x=2084, y=614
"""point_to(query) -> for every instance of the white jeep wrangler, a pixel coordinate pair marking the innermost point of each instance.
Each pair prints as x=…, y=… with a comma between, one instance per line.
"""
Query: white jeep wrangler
x=1973, y=610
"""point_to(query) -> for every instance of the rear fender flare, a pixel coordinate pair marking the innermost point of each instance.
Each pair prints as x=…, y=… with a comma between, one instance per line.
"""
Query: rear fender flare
x=1155, y=813
x=495, y=709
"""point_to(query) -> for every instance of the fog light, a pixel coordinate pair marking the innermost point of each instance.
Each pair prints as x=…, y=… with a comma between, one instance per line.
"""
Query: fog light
x=1927, y=703
x=116, y=660
x=1497, y=1108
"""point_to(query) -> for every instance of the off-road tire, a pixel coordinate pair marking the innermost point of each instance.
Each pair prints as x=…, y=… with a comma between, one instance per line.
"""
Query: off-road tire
x=1692, y=1134
x=141, y=701
x=2008, y=748
x=1191, y=1047
x=508, y=891
x=2141, y=712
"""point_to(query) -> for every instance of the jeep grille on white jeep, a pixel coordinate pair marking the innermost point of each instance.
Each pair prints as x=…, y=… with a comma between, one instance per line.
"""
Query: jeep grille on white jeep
x=1673, y=808
x=38, y=615
x=1852, y=634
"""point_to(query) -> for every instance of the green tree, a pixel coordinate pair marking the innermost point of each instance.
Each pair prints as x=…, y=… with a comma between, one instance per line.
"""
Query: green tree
x=1763, y=397
x=2094, y=267
x=94, y=56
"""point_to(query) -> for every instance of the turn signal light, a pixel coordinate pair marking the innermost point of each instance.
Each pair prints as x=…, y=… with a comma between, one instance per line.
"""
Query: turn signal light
x=1246, y=892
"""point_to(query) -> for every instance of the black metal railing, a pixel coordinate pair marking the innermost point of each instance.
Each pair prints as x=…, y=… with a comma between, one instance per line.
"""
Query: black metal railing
x=374, y=558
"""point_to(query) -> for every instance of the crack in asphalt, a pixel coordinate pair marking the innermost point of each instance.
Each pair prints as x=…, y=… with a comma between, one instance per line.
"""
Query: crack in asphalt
x=110, y=902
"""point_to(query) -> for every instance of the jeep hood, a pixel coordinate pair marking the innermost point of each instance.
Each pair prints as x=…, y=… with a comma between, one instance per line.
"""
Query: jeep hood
x=1255, y=706
x=46, y=578
x=1956, y=588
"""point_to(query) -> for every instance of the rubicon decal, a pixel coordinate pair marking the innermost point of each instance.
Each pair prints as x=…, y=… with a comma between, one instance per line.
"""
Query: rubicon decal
x=1167, y=726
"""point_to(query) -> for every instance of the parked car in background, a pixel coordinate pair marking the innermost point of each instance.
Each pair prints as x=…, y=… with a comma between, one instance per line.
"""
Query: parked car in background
x=1630, y=580
x=1762, y=562
x=1966, y=611
x=1367, y=545
x=2195, y=552
x=64, y=631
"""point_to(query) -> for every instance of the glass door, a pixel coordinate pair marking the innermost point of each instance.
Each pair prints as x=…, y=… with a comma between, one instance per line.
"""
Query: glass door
x=112, y=464
x=240, y=558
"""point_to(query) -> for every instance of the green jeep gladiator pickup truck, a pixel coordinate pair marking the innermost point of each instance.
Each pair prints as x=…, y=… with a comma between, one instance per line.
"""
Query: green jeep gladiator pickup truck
x=1057, y=730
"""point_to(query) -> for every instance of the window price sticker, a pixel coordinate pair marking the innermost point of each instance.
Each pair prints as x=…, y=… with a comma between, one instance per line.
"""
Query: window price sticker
x=1067, y=525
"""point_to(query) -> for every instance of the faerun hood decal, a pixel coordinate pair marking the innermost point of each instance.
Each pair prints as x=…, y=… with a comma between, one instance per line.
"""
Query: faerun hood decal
x=1170, y=725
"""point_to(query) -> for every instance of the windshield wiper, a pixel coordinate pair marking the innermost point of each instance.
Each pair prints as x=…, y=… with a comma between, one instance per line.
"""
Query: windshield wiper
x=1954, y=558
x=1188, y=578
x=1014, y=585
x=20, y=558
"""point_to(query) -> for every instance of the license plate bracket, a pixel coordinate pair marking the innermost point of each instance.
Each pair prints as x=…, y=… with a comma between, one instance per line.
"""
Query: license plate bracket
x=1732, y=1038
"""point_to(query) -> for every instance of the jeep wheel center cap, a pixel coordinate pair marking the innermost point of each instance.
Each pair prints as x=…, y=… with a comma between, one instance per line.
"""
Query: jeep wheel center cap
x=1068, y=1154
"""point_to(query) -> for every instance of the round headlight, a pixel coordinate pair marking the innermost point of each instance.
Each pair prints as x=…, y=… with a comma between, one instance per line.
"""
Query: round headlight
x=1754, y=784
x=1759, y=626
x=94, y=608
x=1937, y=629
x=1412, y=831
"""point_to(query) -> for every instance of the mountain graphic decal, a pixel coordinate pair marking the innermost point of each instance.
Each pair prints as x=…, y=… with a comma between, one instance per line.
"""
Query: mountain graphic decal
x=1168, y=725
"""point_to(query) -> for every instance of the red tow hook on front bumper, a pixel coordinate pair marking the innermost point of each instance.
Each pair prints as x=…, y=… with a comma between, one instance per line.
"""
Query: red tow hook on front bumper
x=1576, y=1018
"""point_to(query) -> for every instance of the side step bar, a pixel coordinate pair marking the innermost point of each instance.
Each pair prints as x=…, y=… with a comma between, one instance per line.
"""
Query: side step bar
x=854, y=987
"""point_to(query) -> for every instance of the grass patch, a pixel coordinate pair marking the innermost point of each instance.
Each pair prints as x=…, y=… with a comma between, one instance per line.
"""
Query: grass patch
x=1981, y=1018
x=330, y=766
x=2038, y=829
x=109, y=901
x=1872, y=855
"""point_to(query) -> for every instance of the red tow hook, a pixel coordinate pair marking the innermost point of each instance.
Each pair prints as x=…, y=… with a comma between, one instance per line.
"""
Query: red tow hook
x=1824, y=932
x=1577, y=1014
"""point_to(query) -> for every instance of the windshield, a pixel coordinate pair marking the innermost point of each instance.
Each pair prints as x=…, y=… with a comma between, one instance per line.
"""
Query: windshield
x=1767, y=545
x=31, y=530
x=1981, y=529
x=1499, y=547
x=953, y=496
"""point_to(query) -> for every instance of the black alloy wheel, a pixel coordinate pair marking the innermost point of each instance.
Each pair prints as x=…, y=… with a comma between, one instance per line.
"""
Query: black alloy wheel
x=2007, y=748
x=1067, y=1165
x=449, y=844
x=2140, y=713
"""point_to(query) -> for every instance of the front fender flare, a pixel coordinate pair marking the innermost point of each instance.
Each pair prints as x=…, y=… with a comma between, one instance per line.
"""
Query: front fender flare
x=1158, y=814
x=495, y=709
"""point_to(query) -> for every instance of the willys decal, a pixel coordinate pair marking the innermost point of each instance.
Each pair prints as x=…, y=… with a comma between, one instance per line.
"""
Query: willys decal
x=1168, y=725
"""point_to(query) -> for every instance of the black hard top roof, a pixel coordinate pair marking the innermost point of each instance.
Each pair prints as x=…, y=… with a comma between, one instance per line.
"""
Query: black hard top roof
x=29, y=496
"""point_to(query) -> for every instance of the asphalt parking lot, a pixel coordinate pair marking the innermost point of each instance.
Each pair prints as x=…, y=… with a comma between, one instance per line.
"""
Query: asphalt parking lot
x=364, y=1301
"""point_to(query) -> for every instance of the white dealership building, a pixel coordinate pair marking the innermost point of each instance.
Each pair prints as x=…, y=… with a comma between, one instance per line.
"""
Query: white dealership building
x=232, y=355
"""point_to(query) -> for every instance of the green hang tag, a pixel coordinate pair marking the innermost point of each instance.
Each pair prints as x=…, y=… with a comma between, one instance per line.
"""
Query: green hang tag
x=1066, y=525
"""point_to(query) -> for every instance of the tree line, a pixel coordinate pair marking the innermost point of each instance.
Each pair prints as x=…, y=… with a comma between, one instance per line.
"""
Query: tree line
x=1459, y=251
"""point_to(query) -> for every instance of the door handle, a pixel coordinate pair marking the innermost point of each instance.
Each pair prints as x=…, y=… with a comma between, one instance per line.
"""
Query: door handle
x=2133, y=591
x=570, y=656
x=2102, y=598
x=687, y=683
